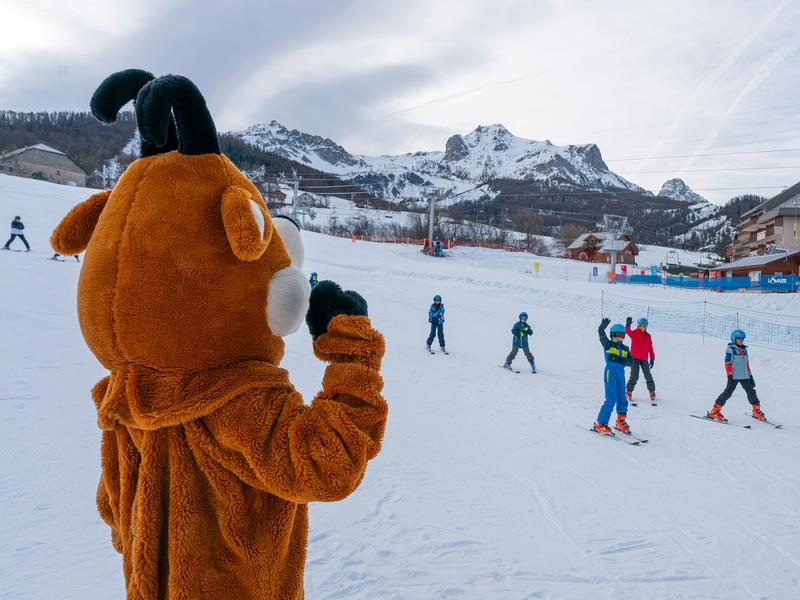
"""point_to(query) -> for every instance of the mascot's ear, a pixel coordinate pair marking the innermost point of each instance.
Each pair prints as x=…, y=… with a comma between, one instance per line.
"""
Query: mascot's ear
x=75, y=230
x=247, y=224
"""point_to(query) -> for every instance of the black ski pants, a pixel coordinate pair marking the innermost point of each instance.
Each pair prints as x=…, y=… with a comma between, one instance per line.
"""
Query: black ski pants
x=437, y=329
x=748, y=386
x=515, y=350
x=634, y=378
x=20, y=236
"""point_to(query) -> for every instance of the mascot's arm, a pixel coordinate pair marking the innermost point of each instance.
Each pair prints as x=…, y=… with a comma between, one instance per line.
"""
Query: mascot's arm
x=318, y=452
x=75, y=229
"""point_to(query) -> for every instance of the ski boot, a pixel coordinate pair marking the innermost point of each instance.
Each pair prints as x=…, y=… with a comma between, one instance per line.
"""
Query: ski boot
x=533, y=366
x=602, y=428
x=622, y=425
x=716, y=414
x=629, y=395
x=507, y=366
x=444, y=350
x=757, y=413
x=652, y=395
x=428, y=347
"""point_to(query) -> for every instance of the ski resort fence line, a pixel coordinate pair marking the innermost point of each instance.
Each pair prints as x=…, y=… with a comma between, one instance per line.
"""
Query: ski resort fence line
x=770, y=330
x=763, y=283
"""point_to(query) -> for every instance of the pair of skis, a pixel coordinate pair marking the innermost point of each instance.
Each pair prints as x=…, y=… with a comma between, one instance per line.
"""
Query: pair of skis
x=432, y=352
x=726, y=422
x=627, y=438
x=514, y=370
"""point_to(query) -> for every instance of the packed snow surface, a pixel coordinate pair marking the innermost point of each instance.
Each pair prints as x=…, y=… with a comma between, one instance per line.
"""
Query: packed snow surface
x=489, y=484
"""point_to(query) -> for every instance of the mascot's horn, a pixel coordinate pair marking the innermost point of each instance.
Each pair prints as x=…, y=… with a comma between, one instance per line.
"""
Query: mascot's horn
x=174, y=94
x=116, y=91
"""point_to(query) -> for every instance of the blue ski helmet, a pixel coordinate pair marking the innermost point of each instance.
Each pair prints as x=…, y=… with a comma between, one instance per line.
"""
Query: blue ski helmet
x=437, y=298
x=523, y=315
x=617, y=328
x=643, y=321
x=737, y=334
x=313, y=273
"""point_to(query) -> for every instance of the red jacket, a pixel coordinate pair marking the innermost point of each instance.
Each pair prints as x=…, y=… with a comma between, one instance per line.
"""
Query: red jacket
x=641, y=344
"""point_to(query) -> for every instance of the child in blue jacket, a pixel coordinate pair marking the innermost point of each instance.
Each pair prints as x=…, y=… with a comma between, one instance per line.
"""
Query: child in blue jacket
x=436, y=319
x=521, y=332
x=617, y=356
x=737, y=368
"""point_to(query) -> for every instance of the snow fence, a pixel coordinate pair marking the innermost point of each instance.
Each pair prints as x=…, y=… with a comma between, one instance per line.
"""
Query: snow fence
x=770, y=330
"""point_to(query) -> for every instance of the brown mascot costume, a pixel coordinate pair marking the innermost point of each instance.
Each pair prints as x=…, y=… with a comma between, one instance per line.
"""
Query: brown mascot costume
x=209, y=456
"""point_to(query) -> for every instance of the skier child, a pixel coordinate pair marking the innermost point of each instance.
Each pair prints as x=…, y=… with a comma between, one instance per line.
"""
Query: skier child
x=313, y=280
x=436, y=319
x=617, y=357
x=521, y=332
x=737, y=366
x=641, y=350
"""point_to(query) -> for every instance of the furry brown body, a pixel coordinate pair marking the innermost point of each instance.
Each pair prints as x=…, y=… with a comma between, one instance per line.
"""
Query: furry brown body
x=209, y=455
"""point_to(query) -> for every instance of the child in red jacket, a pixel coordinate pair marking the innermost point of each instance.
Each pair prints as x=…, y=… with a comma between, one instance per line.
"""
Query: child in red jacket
x=641, y=350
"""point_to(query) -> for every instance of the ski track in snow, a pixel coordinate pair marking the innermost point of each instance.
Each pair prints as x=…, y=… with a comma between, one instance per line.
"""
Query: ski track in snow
x=484, y=487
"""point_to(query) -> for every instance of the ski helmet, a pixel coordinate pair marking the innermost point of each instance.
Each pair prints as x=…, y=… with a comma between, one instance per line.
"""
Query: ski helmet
x=618, y=329
x=643, y=321
x=737, y=334
x=313, y=273
x=437, y=298
x=523, y=316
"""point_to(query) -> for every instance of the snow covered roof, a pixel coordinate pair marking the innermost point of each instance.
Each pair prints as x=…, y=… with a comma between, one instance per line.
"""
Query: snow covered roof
x=581, y=240
x=621, y=245
x=757, y=261
x=44, y=147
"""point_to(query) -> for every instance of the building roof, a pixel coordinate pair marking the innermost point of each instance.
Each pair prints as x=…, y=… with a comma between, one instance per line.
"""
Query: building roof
x=775, y=202
x=44, y=147
x=581, y=240
x=757, y=261
x=607, y=246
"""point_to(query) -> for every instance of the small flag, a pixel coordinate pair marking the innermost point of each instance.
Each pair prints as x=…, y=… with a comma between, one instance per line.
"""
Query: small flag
x=796, y=237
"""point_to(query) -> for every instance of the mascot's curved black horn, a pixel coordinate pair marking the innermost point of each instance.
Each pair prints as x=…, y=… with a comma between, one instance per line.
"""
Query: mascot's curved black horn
x=116, y=91
x=178, y=96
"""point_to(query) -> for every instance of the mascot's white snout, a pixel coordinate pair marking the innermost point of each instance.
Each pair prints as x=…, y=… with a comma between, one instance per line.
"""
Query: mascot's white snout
x=287, y=299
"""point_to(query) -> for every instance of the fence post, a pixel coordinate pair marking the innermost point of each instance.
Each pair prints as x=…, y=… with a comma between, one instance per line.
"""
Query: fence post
x=704, y=321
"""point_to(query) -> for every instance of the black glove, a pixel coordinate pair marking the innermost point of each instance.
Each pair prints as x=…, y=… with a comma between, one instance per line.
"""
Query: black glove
x=652, y=362
x=628, y=322
x=328, y=300
x=604, y=323
x=752, y=381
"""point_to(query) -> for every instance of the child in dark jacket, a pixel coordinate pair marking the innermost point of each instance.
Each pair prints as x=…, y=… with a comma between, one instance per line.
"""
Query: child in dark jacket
x=436, y=319
x=644, y=357
x=617, y=356
x=521, y=332
x=737, y=367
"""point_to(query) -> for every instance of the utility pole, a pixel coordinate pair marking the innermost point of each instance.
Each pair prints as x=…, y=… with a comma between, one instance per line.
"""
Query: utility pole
x=615, y=226
x=430, y=228
x=295, y=185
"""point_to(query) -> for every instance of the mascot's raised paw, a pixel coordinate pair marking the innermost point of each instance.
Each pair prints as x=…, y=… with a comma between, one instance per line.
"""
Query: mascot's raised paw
x=329, y=300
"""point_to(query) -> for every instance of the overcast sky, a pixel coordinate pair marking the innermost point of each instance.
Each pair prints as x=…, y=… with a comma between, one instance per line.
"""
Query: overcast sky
x=642, y=79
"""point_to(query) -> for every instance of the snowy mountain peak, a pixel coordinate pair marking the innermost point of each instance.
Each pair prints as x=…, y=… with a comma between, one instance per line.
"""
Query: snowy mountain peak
x=486, y=153
x=678, y=190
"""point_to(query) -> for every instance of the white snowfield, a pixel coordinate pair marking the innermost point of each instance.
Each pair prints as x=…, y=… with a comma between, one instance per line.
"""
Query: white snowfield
x=489, y=484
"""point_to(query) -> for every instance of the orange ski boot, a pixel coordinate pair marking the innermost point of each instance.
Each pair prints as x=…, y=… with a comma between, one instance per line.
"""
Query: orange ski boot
x=602, y=428
x=716, y=413
x=757, y=413
x=622, y=425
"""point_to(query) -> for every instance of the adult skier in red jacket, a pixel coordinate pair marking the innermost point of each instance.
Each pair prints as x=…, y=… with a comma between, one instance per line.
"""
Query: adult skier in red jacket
x=644, y=357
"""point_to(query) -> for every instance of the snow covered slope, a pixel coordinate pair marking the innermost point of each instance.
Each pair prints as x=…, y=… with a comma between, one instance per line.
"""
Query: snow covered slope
x=486, y=152
x=488, y=484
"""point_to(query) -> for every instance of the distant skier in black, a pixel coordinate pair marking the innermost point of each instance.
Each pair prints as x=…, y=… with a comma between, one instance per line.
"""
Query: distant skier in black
x=17, y=229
